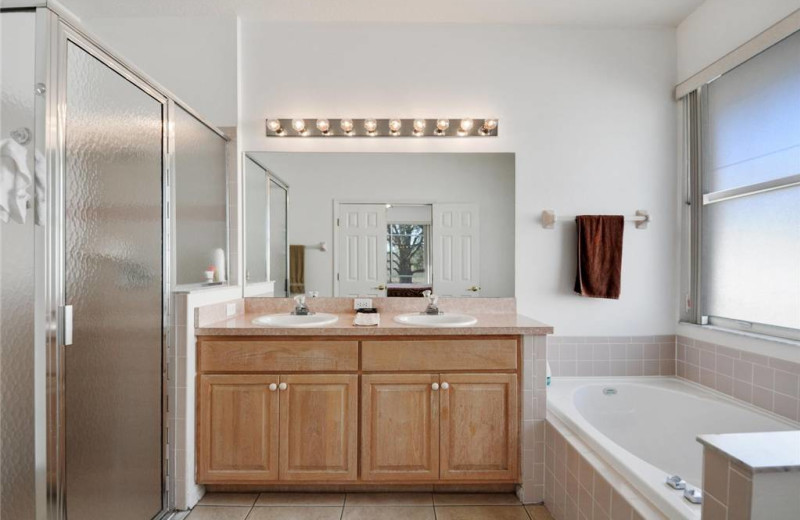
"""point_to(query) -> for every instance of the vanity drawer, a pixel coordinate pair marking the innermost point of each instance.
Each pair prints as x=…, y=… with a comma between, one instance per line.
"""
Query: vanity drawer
x=246, y=355
x=439, y=355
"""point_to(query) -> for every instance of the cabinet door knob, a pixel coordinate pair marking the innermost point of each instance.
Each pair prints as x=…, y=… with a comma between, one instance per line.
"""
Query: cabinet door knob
x=282, y=386
x=273, y=387
x=435, y=386
x=445, y=385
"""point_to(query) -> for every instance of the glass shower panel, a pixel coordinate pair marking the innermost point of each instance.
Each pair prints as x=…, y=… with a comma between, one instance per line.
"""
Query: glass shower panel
x=278, y=248
x=201, y=198
x=113, y=272
x=255, y=193
x=17, y=45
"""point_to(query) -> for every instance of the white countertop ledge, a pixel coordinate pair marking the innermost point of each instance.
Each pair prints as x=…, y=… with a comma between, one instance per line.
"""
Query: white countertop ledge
x=762, y=452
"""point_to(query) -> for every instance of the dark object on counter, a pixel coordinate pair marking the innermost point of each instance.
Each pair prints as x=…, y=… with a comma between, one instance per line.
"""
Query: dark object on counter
x=371, y=310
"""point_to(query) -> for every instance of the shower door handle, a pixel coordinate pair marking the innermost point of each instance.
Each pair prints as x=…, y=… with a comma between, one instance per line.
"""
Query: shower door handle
x=66, y=317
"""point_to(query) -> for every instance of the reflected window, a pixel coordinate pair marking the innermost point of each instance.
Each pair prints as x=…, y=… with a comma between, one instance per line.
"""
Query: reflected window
x=407, y=258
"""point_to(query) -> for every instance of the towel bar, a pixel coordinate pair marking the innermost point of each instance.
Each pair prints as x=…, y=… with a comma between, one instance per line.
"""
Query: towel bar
x=322, y=246
x=640, y=220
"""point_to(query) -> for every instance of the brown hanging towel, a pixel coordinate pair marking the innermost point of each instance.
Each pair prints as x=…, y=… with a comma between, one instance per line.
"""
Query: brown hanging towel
x=599, y=273
x=297, y=269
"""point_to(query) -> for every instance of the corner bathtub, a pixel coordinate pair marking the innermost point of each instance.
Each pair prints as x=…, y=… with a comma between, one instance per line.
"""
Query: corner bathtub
x=647, y=430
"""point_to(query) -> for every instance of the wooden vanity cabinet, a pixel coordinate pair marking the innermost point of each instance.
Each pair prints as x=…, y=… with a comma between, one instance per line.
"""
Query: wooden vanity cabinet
x=319, y=427
x=237, y=428
x=388, y=411
x=479, y=428
x=400, y=427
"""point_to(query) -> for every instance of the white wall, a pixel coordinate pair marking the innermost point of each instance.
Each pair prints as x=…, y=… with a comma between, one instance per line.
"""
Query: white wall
x=589, y=113
x=719, y=26
x=316, y=180
x=194, y=57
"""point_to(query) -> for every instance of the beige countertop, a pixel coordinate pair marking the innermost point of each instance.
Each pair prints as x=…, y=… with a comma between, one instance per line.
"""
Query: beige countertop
x=762, y=452
x=497, y=324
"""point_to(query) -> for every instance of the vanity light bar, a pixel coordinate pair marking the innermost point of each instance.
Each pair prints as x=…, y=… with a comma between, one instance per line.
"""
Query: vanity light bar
x=395, y=127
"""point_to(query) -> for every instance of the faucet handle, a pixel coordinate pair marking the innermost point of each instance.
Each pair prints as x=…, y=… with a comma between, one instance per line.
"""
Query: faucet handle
x=427, y=293
x=300, y=299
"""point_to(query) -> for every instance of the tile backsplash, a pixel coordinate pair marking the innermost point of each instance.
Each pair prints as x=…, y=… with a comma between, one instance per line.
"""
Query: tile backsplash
x=769, y=383
x=611, y=356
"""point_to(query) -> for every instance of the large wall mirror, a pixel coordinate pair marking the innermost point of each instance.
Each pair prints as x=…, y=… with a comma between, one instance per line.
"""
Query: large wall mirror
x=379, y=224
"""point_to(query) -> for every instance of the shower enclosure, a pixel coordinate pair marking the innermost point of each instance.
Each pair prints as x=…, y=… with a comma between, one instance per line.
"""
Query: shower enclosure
x=87, y=249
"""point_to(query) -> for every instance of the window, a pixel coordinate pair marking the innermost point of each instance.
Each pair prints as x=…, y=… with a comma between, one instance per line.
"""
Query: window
x=746, y=231
x=407, y=258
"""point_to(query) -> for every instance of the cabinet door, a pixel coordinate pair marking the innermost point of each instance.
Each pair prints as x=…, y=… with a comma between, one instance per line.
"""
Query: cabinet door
x=237, y=429
x=479, y=427
x=400, y=427
x=319, y=427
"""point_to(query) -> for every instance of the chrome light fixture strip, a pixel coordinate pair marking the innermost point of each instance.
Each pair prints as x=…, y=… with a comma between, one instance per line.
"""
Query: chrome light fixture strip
x=394, y=127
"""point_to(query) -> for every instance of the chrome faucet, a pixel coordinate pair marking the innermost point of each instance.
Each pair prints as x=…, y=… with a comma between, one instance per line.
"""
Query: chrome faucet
x=300, y=307
x=433, y=303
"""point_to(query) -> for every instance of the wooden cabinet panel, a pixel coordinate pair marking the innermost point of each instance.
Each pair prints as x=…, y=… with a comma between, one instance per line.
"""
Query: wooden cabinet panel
x=319, y=427
x=439, y=355
x=237, y=429
x=479, y=427
x=400, y=427
x=284, y=355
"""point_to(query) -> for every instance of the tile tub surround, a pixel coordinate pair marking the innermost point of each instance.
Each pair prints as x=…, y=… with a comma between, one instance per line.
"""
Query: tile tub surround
x=769, y=383
x=602, y=356
x=579, y=485
x=751, y=475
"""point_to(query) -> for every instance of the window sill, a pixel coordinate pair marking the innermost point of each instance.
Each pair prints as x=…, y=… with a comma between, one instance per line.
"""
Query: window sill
x=761, y=344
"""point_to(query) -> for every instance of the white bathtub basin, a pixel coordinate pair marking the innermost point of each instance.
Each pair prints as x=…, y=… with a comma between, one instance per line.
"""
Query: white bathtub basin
x=436, y=320
x=648, y=429
x=319, y=319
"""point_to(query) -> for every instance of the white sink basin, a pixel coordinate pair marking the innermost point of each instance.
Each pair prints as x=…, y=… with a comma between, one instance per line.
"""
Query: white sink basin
x=290, y=320
x=436, y=320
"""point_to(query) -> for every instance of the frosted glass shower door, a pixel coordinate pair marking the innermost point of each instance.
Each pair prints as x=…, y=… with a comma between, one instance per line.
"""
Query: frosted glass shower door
x=114, y=280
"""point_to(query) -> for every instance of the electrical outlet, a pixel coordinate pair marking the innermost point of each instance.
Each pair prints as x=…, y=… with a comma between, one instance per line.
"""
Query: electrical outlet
x=230, y=309
x=362, y=303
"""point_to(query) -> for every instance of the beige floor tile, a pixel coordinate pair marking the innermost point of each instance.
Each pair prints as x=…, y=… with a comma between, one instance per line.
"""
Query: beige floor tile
x=475, y=499
x=481, y=513
x=300, y=499
x=388, y=513
x=218, y=513
x=389, y=499
x=539, y=512
x=228, y=499
x=295, y=513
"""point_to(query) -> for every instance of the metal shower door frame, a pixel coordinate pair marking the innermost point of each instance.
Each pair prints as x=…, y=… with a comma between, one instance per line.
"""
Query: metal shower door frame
x=54, y=33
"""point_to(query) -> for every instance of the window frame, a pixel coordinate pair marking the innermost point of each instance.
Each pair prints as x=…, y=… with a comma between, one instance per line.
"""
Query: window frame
x=691, y=308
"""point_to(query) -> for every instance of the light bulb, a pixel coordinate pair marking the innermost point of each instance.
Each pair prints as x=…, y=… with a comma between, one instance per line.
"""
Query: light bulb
x=323, y=125
x=370, y=125
x=395, y=125
x=442, y=124
x=299, y=125
x=419, y=125
x=490, y=124
x=347, y=125
x=274, y=125
x=466, y=125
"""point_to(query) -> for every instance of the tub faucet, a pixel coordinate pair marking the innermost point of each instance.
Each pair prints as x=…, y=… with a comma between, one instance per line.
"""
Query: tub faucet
x=300, y=307
x=433, y=303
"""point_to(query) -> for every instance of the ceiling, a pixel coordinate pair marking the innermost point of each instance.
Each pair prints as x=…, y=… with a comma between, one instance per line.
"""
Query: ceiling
x=601, y=13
